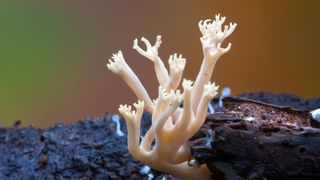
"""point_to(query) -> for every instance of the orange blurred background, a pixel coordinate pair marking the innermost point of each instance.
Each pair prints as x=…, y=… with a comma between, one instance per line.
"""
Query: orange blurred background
x=53, y=53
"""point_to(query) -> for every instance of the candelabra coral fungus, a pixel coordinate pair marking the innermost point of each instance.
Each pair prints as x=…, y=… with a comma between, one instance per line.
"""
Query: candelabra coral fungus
x=172, y=125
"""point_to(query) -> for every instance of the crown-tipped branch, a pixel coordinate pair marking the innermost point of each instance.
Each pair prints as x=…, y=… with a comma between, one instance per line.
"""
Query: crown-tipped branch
x=152, y=54
x=211, y=40
x=133, y=121
x=119, y=66
x=210, y=91
x=177, y=65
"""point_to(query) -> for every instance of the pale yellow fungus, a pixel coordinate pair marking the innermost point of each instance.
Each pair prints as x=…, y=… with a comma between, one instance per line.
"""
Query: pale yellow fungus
x=172, y=125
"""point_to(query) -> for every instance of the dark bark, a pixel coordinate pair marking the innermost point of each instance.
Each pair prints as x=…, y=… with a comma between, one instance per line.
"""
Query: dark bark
x=255, y=140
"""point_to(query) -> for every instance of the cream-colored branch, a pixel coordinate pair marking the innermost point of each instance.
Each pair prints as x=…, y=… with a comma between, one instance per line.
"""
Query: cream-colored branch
x=179, y=149
x=188, y=124
x=160, y=103
x=152, y=54
x=177, y=65
x=210, y=91
x=172, y=100
x=119, y=66
x=147, y=140
x=211, y=40
x=186, y=114
x=181, y=155
x=133, y=121
x=163, y=126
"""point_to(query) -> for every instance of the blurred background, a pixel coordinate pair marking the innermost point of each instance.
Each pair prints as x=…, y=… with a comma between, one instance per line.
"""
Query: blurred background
x=53, y=53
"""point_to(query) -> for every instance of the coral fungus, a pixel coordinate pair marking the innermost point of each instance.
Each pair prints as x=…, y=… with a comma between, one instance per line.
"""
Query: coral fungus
x=172, y=125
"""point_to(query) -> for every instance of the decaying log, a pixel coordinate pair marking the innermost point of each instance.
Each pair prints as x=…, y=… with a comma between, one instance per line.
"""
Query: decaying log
x=255, y=140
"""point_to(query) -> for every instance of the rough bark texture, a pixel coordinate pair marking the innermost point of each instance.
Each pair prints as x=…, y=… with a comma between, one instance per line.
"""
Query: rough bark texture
x=255, y=140
x=88, y=149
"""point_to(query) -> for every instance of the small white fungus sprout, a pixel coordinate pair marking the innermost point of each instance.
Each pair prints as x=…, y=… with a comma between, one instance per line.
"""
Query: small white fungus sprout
x=225, y=92
x=316, y=114
x=116, y=119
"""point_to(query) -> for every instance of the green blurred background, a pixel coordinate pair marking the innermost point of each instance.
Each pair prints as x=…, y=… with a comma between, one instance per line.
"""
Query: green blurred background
x=53, y=53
